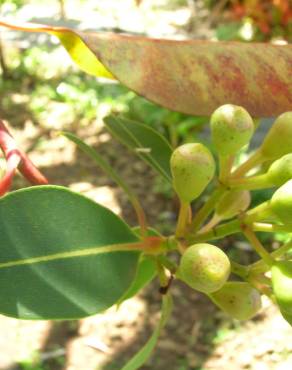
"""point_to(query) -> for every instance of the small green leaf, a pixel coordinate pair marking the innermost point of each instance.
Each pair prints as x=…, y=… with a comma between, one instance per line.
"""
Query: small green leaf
x=152, y=147
x=146, y=271
x=145, y=352
x=62, y=255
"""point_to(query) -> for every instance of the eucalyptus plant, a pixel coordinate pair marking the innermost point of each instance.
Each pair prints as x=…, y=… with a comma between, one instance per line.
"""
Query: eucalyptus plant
x=63, y=256
x=66, y=257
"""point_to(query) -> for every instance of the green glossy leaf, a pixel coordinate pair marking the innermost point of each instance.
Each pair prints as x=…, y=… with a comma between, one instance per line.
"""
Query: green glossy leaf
x=144, y=141
x=146, y=271
x=62, y=255
x=145, y=352
x=190, y=76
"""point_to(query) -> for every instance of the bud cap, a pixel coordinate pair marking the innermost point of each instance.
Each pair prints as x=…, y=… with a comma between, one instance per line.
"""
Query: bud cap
x=238, y=299
x=232, y=203
x=204, y=267
x=193, y=167
x=281, y=203
x=231, y=128
x=278, y=140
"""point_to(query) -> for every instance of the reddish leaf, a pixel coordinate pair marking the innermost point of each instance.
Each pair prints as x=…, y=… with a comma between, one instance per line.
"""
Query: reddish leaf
x=194, y=77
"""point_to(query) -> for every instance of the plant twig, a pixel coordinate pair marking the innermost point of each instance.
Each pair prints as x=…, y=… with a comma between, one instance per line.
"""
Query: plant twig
x=261, y=266
x=207, y=208
x=271, y=228
x=257, y=245
x=183, y=218
x=225, y=164
x=254, y=160
x=217, y=232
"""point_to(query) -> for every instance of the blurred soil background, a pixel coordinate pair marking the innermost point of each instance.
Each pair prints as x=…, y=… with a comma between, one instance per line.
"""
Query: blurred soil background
x=42, y=92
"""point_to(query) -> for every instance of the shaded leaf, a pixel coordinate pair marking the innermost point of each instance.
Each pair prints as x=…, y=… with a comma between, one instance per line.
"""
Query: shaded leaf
x=146, y=271
x=62, y=256
x=193, y=77
x=145, y=352
x=147, y=143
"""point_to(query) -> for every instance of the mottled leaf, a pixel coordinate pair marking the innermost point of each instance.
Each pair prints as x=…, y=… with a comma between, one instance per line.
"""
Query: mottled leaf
x=193, y=77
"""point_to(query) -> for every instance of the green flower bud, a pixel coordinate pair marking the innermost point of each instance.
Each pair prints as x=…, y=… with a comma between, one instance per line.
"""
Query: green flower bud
x=282, y=285
x=232, y=203
x=278, y=140
x=231, y=128
x=192, y=167
x=281, y=203
x=281, y=170
x=204, y=267
x=238, y=299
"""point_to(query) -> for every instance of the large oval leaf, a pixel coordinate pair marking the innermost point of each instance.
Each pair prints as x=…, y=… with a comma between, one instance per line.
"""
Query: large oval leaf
x=193, y=77
x=60, y=255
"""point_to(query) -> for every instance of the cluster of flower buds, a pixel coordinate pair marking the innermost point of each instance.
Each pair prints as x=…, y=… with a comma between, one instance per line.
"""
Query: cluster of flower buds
x=16, y=159
x=205, y=267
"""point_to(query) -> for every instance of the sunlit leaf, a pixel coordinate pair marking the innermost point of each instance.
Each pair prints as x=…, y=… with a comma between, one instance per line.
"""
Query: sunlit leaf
x=62, y=256
x=147, y=143
x=193, y=77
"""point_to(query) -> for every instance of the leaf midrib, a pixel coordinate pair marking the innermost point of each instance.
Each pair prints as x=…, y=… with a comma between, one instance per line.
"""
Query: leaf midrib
x=128, y=247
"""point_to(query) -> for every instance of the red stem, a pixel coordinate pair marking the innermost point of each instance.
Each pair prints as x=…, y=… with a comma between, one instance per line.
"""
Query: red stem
x=16, y=159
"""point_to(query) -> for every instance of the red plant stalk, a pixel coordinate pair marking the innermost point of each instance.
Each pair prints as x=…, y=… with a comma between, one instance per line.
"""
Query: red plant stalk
x=16, y=159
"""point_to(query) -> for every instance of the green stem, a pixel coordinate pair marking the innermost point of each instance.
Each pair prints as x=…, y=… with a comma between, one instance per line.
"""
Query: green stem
x=261, y=266
x=239, y=269
x=254, y=160
x=258, y=247
x=271, y=228
x=225, y=165
x=183, y=216
x=217, y=232
x=211, y=224
x=258, y=213
x=207, y=208
x=250, y=183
